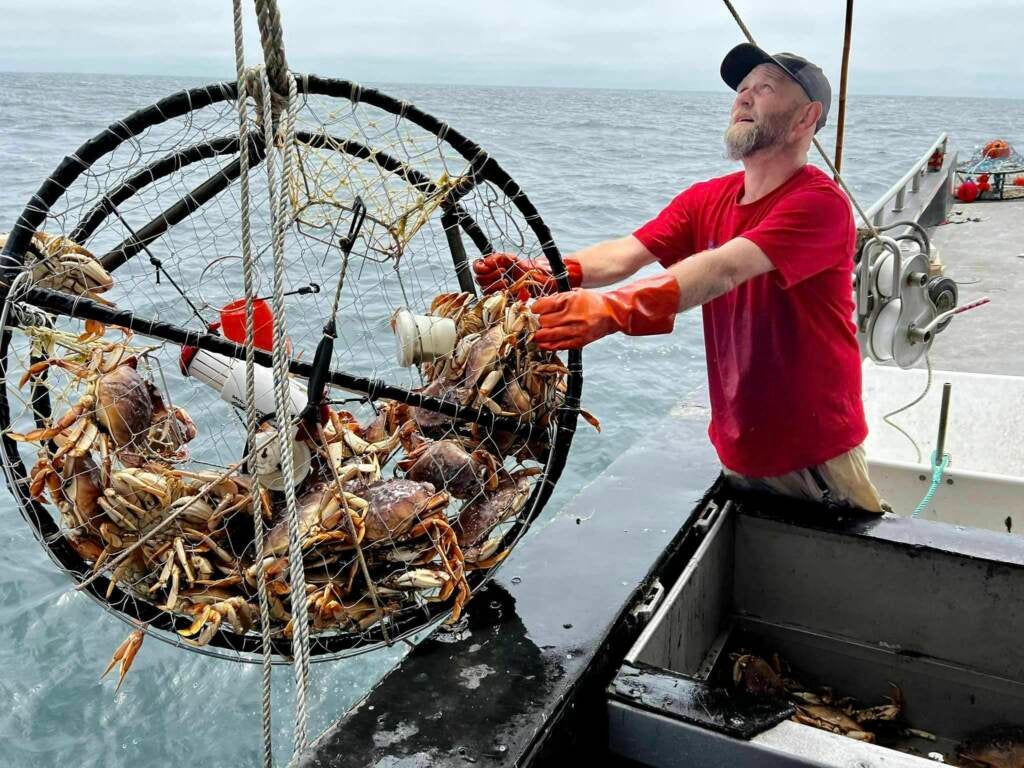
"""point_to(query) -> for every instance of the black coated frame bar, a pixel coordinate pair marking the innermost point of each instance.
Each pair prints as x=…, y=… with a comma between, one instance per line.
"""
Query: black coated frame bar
x=86, y=309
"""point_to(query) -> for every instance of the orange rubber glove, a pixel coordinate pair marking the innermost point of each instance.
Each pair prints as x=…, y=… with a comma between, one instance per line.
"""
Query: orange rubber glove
x=574, y=319
x=500, y=270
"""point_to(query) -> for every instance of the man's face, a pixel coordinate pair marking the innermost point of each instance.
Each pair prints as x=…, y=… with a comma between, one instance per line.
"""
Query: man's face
x=767, y=105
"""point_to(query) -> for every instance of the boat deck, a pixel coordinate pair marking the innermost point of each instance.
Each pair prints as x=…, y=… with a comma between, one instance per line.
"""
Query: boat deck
x=983, y=250
x=981, y=356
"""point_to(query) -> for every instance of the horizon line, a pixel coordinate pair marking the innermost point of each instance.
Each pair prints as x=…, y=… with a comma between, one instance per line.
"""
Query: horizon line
x=664, y=89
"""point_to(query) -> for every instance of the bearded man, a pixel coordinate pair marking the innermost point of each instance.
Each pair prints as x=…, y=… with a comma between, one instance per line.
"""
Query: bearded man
x=768, y=253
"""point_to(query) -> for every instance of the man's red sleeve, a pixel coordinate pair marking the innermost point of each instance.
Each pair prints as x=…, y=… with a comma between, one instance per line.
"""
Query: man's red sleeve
x=669, y=235
x=807, y=232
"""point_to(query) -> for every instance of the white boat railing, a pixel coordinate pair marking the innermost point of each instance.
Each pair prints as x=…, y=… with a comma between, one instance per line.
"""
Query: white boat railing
x=898, y=191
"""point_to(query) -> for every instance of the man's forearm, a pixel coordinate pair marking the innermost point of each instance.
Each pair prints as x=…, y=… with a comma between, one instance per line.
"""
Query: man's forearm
x=611, y=261
x=709, y=274
x=700, y=280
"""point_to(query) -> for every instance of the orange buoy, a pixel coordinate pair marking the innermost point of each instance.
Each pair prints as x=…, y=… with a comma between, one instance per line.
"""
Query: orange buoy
x=982, y=177
x=996, y=148
x=967, y=192
x=1019, y=181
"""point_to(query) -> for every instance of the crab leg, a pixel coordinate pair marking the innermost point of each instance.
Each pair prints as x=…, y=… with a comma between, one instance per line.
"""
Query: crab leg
x=125, y=654
x=172, y=596
x=179, y=549
x=114, y=513
x=202, y=614
x=165, y=573
x=85, y=441
x=65, y=421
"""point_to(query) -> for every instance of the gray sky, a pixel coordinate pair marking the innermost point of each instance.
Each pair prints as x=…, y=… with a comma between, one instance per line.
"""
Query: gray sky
x=926, y=47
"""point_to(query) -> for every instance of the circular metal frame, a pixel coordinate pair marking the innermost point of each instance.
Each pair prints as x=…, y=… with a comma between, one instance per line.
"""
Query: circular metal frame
x=483, y=168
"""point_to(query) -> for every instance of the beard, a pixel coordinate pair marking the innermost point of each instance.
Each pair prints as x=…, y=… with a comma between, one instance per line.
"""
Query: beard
x=744, y=139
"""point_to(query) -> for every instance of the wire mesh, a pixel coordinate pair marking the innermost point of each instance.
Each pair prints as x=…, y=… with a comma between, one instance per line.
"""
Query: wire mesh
x=135, y=472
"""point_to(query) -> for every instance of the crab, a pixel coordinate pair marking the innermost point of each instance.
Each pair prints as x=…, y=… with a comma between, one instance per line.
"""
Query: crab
x=416, y=579
x=398, y=508
x=401, y=511
x=495, y=365
x=115, y=414
x=459, y=308
x=211, y=607
x=762, y=679
x=446, y=463
x=823, y=711
x=446, y=391
x=488, y=331
x=756, y=676
x=170, y=431
x=133, y=503
x=829, y=718
x=345, y=439
x=329, y=608
x=60, y=264
x=477, y=521
x=176, y=562
x=390, y=416
x=999, y=747
x=75, y=487
x=882, y=712
x=321, y=510
x=137, y=499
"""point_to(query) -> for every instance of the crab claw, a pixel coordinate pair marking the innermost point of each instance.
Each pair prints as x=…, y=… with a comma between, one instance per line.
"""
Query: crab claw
x=125, y=653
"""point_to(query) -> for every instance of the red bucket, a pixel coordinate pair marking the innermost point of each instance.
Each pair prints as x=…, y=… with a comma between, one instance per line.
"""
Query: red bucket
x=232, y=322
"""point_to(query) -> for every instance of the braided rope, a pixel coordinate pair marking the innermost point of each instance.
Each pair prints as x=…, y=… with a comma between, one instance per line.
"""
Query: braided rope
x=938, y=469
x=291, y=160
x=279, y=205
x=272, y=37
x=250, y=379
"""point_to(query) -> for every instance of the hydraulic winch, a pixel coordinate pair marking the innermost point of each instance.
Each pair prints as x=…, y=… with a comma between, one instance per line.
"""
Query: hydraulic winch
x=903, y=299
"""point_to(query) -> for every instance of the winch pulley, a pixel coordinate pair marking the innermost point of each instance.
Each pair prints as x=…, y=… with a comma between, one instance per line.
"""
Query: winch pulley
x=902, y=298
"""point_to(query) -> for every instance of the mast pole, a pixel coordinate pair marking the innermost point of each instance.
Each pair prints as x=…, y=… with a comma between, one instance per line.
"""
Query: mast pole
x=841, y=119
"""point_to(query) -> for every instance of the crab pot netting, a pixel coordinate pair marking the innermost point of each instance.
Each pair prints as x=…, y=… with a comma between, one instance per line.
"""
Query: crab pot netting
x=168, y=176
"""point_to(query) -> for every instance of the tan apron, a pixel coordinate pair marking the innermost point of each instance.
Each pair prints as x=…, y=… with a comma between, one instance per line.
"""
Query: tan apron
x=843, y=480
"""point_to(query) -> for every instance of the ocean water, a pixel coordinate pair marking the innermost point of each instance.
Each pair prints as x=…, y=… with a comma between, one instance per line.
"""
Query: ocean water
x=596, y=164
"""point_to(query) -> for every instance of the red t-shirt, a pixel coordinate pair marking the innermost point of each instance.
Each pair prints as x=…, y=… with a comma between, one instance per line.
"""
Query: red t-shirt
x=784, y=366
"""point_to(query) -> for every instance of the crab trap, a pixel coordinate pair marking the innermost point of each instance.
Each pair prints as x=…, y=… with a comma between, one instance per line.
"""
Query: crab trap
x=423, y=433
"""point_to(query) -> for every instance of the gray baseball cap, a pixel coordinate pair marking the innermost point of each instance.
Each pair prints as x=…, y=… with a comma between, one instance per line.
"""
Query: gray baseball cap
x=744, y=57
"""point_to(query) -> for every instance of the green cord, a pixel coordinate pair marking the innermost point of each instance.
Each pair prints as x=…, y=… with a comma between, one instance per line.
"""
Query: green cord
x=937, y=470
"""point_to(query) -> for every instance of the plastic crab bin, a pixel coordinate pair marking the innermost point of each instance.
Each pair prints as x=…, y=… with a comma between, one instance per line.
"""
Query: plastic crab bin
x=854, y=603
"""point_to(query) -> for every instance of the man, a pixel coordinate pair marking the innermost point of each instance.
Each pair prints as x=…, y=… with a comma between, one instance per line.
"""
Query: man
x=768, y=252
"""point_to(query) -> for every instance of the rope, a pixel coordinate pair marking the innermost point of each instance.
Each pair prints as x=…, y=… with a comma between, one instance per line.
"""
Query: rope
x=272, y=37
x=250, y=379
x=937, y=471
x=297, y=578
x=887, y=418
